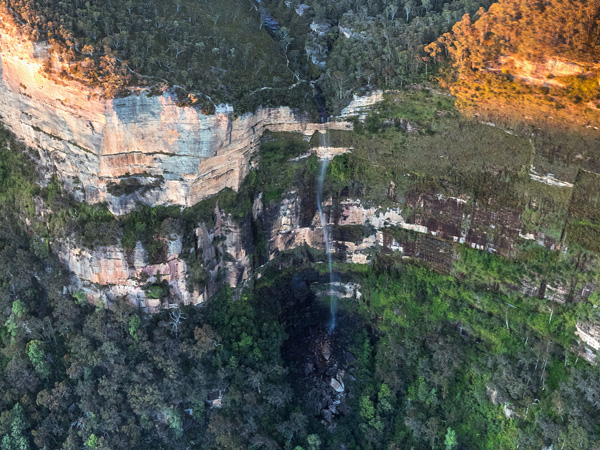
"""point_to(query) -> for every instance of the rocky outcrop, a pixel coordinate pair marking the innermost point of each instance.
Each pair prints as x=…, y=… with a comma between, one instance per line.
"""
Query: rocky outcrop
x=589, y=335
x=140, y=148
x=427, y=227
x=106, y=273
x=545, y=72
x=234, y=257
x=360, y=105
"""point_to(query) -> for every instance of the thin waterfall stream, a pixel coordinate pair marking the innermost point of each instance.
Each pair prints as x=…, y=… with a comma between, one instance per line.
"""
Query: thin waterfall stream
x=326, y=233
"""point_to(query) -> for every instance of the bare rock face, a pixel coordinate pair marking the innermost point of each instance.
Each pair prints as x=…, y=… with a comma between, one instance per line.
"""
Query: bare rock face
x=177, y=155
x=543, y=72
x=589, y=335
x=287, y=232
x=359, y=106
x=106, y=273
x=237, y=262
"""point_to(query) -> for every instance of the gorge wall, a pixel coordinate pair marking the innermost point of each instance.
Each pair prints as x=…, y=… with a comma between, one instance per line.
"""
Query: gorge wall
x=144, y=148
x=172, y=155
x=432, y=236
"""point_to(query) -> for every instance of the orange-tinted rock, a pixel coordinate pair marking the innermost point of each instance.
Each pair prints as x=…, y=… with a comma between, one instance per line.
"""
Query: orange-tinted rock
x=185, y=154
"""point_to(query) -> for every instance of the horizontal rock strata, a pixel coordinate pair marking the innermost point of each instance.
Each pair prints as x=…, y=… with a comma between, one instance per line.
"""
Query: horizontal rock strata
x=177, y=155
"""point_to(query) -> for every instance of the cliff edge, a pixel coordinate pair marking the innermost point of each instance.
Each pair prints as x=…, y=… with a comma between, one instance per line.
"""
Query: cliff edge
x=139, y=148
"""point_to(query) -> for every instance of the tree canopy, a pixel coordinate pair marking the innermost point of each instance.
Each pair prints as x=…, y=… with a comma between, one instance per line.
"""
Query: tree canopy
x=534, y=30
x=211, y=52
x=540, y=56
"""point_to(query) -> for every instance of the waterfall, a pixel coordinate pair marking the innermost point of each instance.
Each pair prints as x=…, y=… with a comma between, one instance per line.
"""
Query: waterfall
x=326, y=234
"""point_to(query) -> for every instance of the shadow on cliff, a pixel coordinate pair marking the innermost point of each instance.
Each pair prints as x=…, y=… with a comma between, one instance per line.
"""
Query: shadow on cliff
x=319, y=360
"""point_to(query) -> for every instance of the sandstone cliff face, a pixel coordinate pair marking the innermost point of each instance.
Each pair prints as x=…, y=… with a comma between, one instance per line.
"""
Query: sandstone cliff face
x=431, y=235
x=359, y=106
x=589, y=336
x=106, y=273
x=543, y=72
x=178, y=156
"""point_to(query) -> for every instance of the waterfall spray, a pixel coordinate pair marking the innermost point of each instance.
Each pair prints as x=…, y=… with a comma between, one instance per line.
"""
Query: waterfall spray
x=326, y=235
